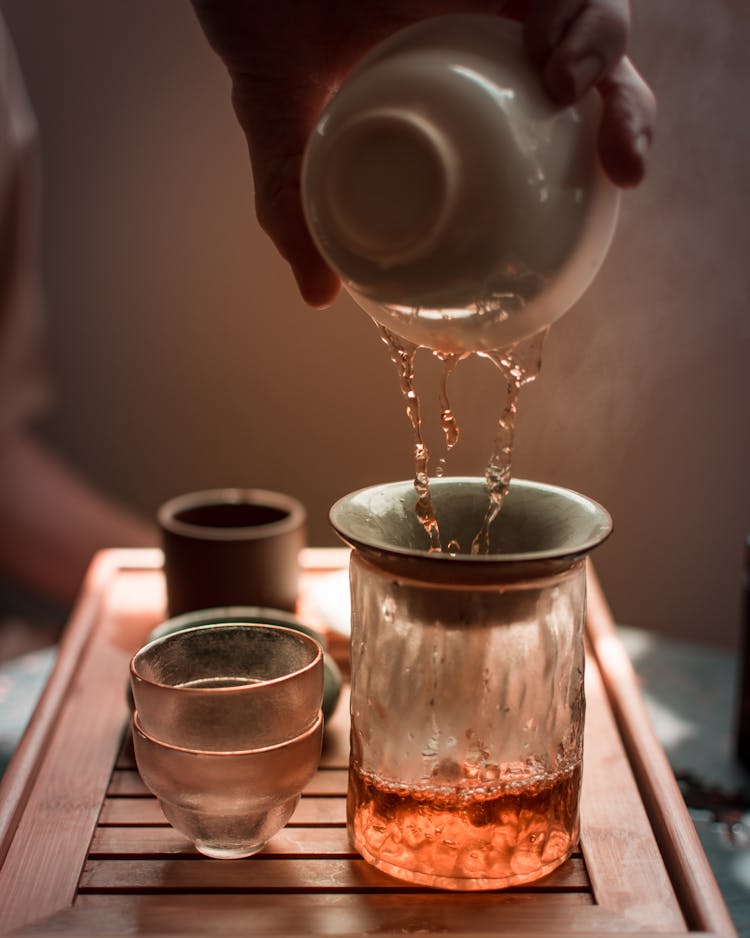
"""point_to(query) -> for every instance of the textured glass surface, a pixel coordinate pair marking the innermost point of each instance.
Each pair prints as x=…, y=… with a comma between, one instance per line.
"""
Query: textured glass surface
x=467, y=725
x=228, y=803
x=228, y=687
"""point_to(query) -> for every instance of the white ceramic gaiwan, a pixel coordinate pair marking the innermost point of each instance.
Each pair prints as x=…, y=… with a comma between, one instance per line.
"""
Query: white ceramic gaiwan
x=463, y=209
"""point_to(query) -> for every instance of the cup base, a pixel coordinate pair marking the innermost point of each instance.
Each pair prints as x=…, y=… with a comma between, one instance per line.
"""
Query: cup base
x=228, y=853
x=230, y=836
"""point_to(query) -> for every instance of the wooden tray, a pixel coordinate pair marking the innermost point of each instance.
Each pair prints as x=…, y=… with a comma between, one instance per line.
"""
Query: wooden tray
x=85, y=848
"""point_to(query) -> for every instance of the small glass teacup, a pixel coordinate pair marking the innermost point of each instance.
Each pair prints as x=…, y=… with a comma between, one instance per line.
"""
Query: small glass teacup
x=230, y=686
x=228, y=729
x=229, y=804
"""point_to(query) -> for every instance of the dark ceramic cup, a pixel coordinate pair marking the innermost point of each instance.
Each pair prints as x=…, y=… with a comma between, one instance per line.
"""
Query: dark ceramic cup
x=231, y=547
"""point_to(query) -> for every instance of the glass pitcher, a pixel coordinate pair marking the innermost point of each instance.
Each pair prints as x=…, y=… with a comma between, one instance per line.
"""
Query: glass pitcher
x=467, y=698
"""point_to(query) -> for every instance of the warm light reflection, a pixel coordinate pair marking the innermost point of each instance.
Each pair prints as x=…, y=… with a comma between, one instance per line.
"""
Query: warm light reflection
x=501, y=95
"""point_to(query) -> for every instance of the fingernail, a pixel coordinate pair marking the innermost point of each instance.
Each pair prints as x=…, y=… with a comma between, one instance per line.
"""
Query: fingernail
x=584, y=73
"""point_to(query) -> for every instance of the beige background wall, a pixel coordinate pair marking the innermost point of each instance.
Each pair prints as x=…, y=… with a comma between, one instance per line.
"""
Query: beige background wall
x=183, y=357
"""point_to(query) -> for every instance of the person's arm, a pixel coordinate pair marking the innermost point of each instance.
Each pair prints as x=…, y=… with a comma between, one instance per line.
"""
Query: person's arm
x=286, y=58
x=52, y=522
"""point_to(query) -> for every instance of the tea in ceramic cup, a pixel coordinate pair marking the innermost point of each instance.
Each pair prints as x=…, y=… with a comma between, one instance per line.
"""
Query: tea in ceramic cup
x=231, y=547
x=229, y=804
x=228, y=686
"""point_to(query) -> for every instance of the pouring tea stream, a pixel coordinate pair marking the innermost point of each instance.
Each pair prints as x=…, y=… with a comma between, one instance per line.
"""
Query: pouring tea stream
x=463, y=210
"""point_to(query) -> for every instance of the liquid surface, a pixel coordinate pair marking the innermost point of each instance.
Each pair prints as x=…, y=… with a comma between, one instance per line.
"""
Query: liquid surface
x=519, y=364
x=478, y=838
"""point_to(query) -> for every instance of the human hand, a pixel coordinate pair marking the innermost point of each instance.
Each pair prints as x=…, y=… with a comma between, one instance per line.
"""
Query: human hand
x=287, y=58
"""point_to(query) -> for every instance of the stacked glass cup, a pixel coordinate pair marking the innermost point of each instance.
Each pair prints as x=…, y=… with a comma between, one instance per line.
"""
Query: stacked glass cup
x=227, y=730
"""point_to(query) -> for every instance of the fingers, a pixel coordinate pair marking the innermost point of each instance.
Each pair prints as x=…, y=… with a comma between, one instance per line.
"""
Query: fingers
x=274, y=57
x=627, y=125
x=580, y=44
x=576, y=42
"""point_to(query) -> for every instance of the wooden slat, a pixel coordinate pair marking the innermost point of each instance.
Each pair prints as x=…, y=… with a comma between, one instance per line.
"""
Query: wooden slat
x=18, y=779
x=258, y=874
x=512, y=915
x=128, y=783
x=146, y=811
x=622, y=856
x=680, y=848
x=42, y=864
x=165, y=841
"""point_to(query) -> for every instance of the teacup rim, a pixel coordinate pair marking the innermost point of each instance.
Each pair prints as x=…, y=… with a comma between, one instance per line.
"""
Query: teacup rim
x=295, y=513
x=312, y=730
x=236, y=690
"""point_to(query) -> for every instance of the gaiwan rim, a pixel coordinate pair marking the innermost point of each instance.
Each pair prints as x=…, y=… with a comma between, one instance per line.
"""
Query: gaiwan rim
x=598, y=530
